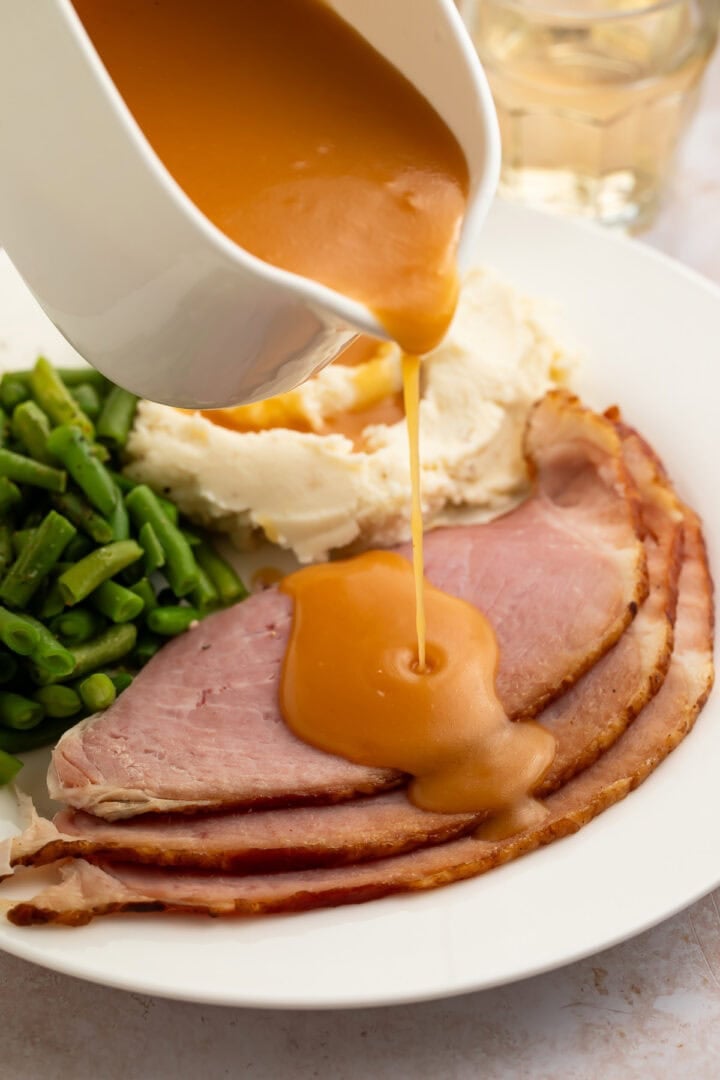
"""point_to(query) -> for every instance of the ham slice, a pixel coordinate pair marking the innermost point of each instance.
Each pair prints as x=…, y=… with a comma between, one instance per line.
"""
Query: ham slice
x=585, y=721
x=559, y=578
x=245, y=842
x=87, y=890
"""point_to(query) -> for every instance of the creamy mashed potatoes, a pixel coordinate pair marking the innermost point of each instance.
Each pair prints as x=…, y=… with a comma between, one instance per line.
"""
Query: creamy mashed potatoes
x=315, y=493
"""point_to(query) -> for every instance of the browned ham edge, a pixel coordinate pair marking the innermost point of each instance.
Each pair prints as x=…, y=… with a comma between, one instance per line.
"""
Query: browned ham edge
x=200, y=728
x=88, y=890
x=585, y=720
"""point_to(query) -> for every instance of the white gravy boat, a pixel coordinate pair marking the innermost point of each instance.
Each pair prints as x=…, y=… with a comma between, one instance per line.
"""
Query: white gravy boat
x=143, y=285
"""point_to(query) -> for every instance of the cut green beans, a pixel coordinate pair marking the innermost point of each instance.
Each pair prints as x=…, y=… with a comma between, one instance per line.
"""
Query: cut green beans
x=154, y=554
x=106, y=649
x=51, y=658
x=10, y=495
x=13, y=391
x=88, y=399
x=31, y=427
x=116, y=418
x=69, y=446
x=88, y=574
x=24, y=470
x=58, y=702
x=121, y=680
x=36, y=560
x=77, y=549
x=180, y=566
x=119, y=521
x=53, y=602
x=76, y=626
x=17, y=633
x=76, y=509
x=55, y=399
x=171, y=621
x=205, y=595
x=229, y=586
x=147, y=646
x=9, y=768
x=21, y=539
x=145, y=591
x=97, y=692
x=18, y=712
x=117, y=603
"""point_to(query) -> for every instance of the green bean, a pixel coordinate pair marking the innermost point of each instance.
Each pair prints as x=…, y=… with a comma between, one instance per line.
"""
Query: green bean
x=77, y=549
x=205, y=595
x=13, y=391
x=9, y=767
x=17, y=634
x=229, y=586
x=97, y=692
x=10, y=495
x=6, y=549
x=103, y=563
x=154, y=554
x=194, y=539
x=171, y=621
x=59, y=702
x=53, y=602
x=18, y=712
x=145, y=591
x=72, y=377
x=82, y=515
x=31, y=427
x=19, y=742
x=21, y=538
x=121, y=680
x=69, y=445
x=116, y=418
x=50, y=657
x=119, y=521
x=76, y=626
x=24, y=470
x=88, y=399
x=147, y=646
x=36, y=560
x=119, y=604
x=106, y=649
x=8, y=667
x=54, y=397
x=100, y=452
x=126, y=485
x=180, y=566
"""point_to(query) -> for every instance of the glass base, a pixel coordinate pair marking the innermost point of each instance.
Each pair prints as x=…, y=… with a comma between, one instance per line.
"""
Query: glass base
x=623, y=200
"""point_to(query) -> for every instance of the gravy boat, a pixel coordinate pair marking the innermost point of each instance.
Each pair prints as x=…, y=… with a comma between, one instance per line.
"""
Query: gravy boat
x=139, y=281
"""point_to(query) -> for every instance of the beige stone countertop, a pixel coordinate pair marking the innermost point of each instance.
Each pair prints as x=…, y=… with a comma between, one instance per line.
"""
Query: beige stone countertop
x=647, y=1009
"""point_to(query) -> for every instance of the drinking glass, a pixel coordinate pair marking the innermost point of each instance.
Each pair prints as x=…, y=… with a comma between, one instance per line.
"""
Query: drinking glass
x=592, y=97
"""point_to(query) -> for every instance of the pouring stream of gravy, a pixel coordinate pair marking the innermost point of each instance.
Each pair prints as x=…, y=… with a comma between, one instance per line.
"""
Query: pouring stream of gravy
x=310, y=150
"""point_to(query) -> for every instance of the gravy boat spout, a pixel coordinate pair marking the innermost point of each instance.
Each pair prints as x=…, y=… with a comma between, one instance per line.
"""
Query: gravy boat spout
x=141, y=283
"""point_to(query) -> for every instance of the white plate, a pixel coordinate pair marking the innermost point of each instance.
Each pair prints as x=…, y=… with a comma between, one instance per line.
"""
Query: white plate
x=652, y=332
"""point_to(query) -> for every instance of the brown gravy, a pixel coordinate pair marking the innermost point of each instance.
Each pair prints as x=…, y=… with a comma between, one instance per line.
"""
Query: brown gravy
x=351, y=686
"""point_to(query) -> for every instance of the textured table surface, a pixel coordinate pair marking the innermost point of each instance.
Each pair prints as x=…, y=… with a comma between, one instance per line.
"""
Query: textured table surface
x=649, y=1008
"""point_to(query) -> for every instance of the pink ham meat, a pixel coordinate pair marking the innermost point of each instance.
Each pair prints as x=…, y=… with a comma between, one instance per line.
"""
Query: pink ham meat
x=592, y=714
x=560, y=578
x=245, y=842
x=585, y=720
x=87, y=890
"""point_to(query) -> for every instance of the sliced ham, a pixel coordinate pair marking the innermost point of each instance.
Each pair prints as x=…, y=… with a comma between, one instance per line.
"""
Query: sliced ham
x=87, y=890
x=559, y=578
x=585, y=720
x=245, y=842
x=592, y=714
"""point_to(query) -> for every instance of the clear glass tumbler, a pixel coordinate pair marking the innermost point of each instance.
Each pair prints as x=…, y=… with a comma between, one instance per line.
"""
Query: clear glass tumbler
x=592, y=97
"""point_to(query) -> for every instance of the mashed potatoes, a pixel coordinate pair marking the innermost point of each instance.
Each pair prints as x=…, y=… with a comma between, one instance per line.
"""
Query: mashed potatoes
x=315, y=493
